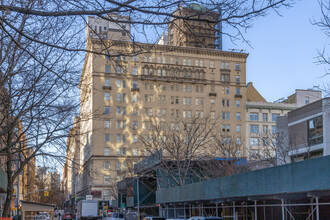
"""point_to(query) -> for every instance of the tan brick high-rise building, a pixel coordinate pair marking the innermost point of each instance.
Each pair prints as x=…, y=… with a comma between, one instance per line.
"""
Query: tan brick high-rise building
x=120, y=92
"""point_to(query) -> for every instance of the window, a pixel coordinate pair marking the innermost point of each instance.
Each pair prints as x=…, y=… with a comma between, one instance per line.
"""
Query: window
x=196, y=62
x=226, y=128
x=212, y=64
x=107, y=151
x=135, y=71
x=201, y=63
x=237, y=67
x=253, y=116
x=254, y=129
x=107, y=68
x=107, y=165
x=224, y=65
x=184, y=62
x=106, y=179
x=124, y=151
x=238, y=128
x=107, y=82
x=225, y=102
x=106, y=124
x=124, y=83
x=135, y=125
x=265, y=129
x=118, y=70
x=238, y=103
x=106, y=137
x=118, y=97
x=227, y=90
x=135, y=111
x=274, y=116
x=134, y=140
x=107, y=96
x=107, y=110
x=306, y=100
x=107, y=55
x=118, y=166
x=135, y=58
x=264, y=117
x=134, y=98
x=135, y=152
x=118, y=138
x=254, y=141
x=106, y=192
x=238, y=91
x=118, y=83
x=135, y=84
x=238, y=141
x=238, y=79
x=148, y=98
x=212, y=101
x=119, y=124
x=273, y=129
x=315, y=131
x=225, y=78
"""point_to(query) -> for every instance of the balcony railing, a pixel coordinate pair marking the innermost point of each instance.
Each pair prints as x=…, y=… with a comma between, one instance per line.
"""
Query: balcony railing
x=135, y=89
x=107, y=87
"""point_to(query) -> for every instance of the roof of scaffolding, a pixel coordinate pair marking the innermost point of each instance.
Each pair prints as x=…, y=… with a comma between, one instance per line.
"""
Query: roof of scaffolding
x=305, y=178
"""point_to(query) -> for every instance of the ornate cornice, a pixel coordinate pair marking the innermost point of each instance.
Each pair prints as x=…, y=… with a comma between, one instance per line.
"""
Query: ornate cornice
x=155, y=48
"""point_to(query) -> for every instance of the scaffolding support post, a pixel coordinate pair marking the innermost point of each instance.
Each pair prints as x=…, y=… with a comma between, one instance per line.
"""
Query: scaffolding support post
x=202, y=210
x=234, y=211
x=184, y=210
x=255, y=210
x=317, y=208
x=312, y=216
x=283, y=214
x=189, y=210
x=264, y=210
x=166, y=211
x=216, y=211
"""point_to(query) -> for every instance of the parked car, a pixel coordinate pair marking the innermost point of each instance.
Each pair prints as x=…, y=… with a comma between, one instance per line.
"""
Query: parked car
x=205, y=218
x=115, y=216
x=67, y=216
x=153, y=218
x=131, y=216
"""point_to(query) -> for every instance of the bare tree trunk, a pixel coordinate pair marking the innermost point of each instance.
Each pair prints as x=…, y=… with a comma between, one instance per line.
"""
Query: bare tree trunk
x=10, y=188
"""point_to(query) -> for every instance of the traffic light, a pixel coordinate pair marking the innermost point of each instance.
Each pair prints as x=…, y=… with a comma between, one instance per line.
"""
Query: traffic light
x=46, y=193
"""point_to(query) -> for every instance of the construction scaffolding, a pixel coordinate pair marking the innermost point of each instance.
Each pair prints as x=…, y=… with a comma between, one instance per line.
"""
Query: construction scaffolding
x=317, y=208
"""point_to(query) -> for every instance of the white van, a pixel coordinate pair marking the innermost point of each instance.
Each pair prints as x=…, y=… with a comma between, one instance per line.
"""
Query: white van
x=205, y=218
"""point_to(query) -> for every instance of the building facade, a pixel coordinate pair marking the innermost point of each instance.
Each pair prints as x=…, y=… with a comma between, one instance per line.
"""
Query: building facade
x=261, y=116
x=123, y=90
x=305, y=132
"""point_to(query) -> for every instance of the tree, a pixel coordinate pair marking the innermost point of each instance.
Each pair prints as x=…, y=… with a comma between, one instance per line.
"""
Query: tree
x=41, y=51
x=37, y=85
x=324, y=23
x=191, y=149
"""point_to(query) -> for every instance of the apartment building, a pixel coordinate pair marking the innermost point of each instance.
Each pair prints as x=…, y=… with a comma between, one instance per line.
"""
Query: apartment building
x=305, y=132
x=199, y=31
x=261, y=119
x=123, y=90
x=72, y=172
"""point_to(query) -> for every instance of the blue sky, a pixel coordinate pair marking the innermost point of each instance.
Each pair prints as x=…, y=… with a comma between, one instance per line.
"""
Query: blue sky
x=284, y=49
